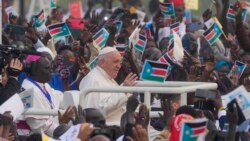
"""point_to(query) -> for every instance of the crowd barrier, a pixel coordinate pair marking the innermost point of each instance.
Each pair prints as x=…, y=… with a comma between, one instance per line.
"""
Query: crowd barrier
x=182, y=88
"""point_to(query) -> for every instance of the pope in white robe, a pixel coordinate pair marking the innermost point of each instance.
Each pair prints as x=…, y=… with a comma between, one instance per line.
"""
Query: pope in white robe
x=112, y=105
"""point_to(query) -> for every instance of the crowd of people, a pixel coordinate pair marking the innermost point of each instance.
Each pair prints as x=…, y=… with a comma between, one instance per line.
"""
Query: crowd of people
x=65, y=64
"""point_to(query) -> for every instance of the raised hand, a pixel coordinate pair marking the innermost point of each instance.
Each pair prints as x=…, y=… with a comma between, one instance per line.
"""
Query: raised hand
x=75, y=46
x=83, y=70
x=192, y=75
x=237, y=9
x=85, y=131
x=131, y=26
x=130, y=80
x=67, y=115
x=232, y=114
x=168, y=112
x=209, y=66
x=15, y=67
x=80, y=116
x=31, y=33
x=142, y=118
x=231, y=39
x=140, y=134
x=86, y=35
x=7, y=120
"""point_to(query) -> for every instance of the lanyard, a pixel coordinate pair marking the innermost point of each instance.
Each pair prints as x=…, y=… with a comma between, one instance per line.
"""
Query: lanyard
x=45, y=92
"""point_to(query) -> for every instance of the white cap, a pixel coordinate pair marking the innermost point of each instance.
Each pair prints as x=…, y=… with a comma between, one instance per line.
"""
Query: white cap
x=45, y=49
x=107, y=50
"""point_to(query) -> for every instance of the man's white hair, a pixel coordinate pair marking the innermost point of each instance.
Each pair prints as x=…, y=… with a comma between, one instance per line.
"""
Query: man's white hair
x=105, y=52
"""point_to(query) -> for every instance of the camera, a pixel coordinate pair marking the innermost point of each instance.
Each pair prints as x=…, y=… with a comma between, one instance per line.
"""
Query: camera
x=202, y=103
x=7, y=52
x=111, y=132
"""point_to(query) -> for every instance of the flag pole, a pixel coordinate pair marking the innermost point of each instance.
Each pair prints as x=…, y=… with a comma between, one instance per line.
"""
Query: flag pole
x=72, y=37
x=224, y=34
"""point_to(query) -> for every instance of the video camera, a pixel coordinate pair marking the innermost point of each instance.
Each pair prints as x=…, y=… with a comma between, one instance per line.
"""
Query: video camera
x=111, y=132
x=204, y=103
x=7, y=52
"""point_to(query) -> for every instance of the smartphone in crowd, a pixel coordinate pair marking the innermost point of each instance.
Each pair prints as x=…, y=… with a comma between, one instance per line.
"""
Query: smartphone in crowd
x=241, y=67
x=238, y=68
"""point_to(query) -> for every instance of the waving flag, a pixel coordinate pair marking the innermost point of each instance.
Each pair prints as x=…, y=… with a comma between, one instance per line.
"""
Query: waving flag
x=164, y=59
x=171, y=49
x=154, y=71
x=167, y=9
x=149, y=29
x=213, y=33
x=193, y=130
x=231, y=13
x=39, y=19
x=140, y=43
x=138, y=40
x=52, y=4
x=168, y=60
x=175, y=27
x=58, y=30
x=101, y=38
x=93, y=63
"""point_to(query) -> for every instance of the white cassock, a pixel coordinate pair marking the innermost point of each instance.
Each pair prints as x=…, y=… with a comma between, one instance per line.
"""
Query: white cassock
x=112, y=105
x=45, y=123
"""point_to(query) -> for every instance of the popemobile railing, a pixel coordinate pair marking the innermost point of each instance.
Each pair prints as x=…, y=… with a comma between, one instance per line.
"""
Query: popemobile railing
x=146, y=87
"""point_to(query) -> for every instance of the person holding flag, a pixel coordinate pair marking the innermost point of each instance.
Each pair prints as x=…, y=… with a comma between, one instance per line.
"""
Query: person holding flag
x=241, y=32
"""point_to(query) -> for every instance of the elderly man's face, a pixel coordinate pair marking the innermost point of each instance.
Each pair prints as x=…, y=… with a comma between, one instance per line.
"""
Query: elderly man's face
x=112, y=63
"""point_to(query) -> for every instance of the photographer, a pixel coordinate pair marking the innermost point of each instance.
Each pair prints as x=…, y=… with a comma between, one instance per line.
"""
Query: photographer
x=12, y=86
